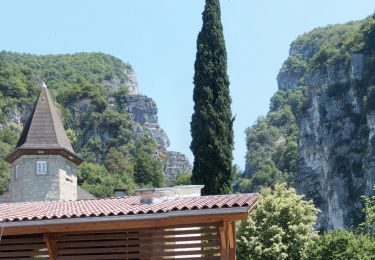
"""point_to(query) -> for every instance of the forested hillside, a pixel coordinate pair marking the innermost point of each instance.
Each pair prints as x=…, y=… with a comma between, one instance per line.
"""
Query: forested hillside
x=318, y=134
x=91, y=92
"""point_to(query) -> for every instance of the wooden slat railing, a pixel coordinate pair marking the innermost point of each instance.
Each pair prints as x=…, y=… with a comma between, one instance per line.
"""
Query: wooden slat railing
x=193, y=242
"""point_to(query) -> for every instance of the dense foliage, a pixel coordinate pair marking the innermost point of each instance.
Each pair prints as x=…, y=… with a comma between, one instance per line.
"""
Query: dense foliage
x=8, y=139
x=182, y=179
x=343, y=245
x=272, y=143
x=280, y=228
x=328, y=46
x=369, y=210
x=90, y=91
x=212, y=122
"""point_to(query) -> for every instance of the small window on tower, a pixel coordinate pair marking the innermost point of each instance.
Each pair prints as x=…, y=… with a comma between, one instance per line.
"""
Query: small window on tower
x=41, y=167
x=17, y=171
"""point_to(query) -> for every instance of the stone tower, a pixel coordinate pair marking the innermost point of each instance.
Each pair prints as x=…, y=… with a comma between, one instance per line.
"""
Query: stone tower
x=44, y=163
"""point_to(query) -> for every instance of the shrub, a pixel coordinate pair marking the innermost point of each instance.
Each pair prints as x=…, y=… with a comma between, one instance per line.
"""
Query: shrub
x=342, y=244
x=280, y=228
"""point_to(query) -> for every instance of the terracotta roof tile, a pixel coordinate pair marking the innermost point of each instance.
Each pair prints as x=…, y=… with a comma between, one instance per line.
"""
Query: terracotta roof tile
x=11, y=212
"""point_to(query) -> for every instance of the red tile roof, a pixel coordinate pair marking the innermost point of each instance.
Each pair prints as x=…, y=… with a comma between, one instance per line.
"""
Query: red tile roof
x=12, y=212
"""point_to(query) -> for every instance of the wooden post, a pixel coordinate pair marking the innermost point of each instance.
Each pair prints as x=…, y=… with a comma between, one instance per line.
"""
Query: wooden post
x=224, y=253
x=51, y=245
x=232, y=240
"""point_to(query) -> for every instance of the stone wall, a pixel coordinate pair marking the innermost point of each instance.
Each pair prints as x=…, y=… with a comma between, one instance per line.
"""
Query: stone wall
x=29, y=186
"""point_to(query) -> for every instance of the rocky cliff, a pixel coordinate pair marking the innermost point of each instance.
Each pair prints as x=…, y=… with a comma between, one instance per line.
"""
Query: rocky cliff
x=336, y=156
x=319, y=135
x=176, y=163
x=143, y=111
x=100, y=103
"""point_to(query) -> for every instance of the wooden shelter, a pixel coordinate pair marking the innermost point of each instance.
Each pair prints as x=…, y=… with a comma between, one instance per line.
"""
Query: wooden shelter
x=123, y=228
x=50, y=221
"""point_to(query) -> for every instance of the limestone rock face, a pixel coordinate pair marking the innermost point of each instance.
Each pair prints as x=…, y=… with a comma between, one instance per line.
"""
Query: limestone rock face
x=331, y=157
x=17, y=114
x=337, y=74
x=336, y=157
x=131, y=83
x=142, y=109
x=144, y=112
x=176, y=163
x=154, y=131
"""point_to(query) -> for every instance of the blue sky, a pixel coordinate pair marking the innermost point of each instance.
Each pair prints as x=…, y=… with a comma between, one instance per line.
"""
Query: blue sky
x=158, y=38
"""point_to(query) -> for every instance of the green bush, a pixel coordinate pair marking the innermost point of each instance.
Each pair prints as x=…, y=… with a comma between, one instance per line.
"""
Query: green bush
x=369, y=211
x=182, y=179
x=281, y=227
x=272, y=142
x=343, y=245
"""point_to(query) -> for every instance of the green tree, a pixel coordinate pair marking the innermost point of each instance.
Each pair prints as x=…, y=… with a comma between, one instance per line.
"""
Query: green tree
x=369, y=211
x=280, y=228
x=95, y=179
x=182, y=179
x=8, y=139
x=272, y=142
x=343, y=245
x=212, y=122
x=4, y=176
x=148, y=171
x=117, y=163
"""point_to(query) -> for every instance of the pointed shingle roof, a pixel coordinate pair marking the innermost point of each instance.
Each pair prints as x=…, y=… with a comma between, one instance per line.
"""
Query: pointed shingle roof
x=44, y=129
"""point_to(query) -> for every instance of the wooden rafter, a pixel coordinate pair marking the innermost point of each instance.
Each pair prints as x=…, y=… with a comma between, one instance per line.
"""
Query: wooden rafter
x=51, y=245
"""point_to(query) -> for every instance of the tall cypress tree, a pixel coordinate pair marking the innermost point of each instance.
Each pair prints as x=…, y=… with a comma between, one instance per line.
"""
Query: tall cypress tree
x=212, y=123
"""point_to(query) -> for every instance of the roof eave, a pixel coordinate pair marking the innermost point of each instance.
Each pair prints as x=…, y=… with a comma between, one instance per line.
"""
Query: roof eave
x=18, y=152
x=169, y=219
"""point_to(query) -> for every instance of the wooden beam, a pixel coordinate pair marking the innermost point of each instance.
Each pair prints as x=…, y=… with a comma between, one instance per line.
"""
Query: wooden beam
x=231, y=234
x=127, y=222
x=51, y=245
x=224, y=254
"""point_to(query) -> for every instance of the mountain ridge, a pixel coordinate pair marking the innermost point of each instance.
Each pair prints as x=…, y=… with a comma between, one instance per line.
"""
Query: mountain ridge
x=99, y=102
x=318, y=135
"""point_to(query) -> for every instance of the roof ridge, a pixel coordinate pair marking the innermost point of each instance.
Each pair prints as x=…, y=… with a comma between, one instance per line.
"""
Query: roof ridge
x=129, y=197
